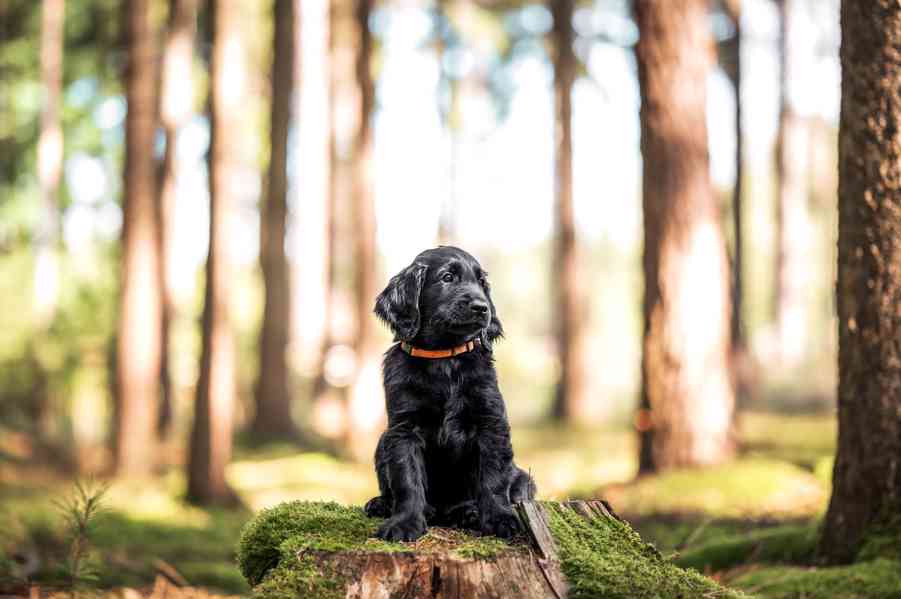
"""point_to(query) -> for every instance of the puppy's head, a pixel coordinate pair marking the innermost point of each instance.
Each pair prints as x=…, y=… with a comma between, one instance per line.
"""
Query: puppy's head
x=440, y=300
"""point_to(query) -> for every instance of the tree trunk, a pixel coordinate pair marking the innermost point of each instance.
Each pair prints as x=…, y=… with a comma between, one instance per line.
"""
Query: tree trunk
x=741, y=359
x=866, y=490
x=176, y=104
x=448, y=94
x=273, y=396
x=687, y=395
x=211, y=436
x=361, y=193
x=791, y=214
x=569, y=303
x=138, y=353
x=362, y=419
x=332, y=395
x=50, y=161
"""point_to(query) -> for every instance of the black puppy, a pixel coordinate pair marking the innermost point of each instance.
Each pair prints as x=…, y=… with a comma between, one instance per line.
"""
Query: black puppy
x=445, y=458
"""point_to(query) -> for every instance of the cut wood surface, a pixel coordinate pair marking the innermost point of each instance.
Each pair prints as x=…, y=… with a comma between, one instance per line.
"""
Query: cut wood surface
x=569, y=549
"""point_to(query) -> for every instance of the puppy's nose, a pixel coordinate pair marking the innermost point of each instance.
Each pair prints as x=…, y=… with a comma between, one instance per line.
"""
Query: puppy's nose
x=479, y=307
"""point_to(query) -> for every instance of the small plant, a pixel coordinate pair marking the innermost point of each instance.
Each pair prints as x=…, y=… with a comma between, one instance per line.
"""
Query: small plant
x=80, y=514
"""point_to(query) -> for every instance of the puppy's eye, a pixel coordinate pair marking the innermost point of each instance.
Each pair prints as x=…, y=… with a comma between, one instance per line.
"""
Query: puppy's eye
x=448, y=277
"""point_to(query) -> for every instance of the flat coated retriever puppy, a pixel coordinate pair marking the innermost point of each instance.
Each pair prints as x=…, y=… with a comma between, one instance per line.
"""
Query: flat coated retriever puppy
x=446, y=457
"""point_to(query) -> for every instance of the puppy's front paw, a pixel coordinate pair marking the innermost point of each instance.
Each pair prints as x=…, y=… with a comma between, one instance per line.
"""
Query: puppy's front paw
x=403, y=527
x=501, y=522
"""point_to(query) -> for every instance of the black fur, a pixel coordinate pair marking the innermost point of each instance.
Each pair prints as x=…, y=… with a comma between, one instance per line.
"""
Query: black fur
x=445, y=458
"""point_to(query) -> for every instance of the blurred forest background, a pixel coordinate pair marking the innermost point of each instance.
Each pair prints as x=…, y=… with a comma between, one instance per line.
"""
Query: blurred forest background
x=199, y=202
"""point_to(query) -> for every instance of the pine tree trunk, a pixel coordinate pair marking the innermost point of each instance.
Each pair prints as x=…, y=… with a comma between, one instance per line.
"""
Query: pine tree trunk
x=687, y=394
x=211, y=436
x=361, y=195
x=331, y=397
x=448, y=94
x=791, y=214
x=569, y=302
x=367, y=385
x=743, y=363
x=138, y=353
x=50, y=161
x=273, y=396
x=176, y=104
x=866, y=490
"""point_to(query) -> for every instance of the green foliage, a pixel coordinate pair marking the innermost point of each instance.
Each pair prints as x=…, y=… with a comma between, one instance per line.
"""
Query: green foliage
x=606, y=558
x=46, y=372
x=80, y=513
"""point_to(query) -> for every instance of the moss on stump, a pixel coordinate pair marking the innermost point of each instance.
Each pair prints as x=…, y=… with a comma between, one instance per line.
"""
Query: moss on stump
x=576, y=549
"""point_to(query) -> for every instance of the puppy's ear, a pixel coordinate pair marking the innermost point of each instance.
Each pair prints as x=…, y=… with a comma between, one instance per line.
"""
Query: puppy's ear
x=495, y=329
x=398, y=304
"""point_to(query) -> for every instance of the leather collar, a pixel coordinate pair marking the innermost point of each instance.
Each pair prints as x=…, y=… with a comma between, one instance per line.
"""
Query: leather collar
x=435, y=354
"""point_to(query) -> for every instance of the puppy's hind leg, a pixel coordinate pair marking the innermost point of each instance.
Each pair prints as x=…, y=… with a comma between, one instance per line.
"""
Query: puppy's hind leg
x=522, y=488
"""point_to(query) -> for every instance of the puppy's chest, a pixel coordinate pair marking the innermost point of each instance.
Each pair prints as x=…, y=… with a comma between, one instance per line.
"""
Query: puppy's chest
x=451, y=408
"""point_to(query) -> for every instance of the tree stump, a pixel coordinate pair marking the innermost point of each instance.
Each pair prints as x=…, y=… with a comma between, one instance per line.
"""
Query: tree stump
x=570, y=549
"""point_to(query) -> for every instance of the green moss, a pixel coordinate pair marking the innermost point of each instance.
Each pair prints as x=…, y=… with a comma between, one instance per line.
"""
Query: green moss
x=606, y=558
x=481, y=548
x=791, y=543
x=294, y=526
x=740, y=489
x=301, y=578
x=884, y=541
x=281, y=553
x=877, y=578
x=278, y=547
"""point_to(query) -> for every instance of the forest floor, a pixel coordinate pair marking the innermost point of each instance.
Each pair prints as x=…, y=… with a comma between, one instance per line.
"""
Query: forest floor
x=751, y=524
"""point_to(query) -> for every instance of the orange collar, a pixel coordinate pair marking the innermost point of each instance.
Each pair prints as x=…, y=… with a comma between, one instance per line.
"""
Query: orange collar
x=434, y=354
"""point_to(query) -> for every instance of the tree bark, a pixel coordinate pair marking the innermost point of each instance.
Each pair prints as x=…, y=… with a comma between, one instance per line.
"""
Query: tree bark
x=176, y=102
x=687, y=397
x=50, y=161
x=791, y=215
x=361, y=193
x=570, y=400
x=866, y=490
x=732, y=65
x=211, y=436
x=362, y=419
x=273, y=395
x=138, y=353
